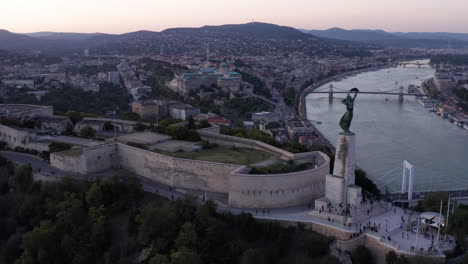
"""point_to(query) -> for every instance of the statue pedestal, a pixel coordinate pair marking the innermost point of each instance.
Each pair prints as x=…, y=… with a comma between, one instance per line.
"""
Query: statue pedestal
x=340, y=187
x=345, y=157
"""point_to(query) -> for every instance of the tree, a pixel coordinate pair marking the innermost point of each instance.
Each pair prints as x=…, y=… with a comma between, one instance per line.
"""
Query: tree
x=393, y=258
x=458, y=225
x=431, y=203
x=131, y=116
x=159, y=259
x=87, y=132
x=59, y=146
x=23, y=177
x=108, y=126
x=140, y=127
x=191, y=123
x=187, y=237
x=39, y=245
x=185, y=256
x=361, y=255
x=204, y=124
x=365, y=183
x=273, y=125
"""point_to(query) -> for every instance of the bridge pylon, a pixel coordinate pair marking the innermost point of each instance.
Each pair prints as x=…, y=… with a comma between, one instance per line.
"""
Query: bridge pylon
x=400, y=96
x=330, y=94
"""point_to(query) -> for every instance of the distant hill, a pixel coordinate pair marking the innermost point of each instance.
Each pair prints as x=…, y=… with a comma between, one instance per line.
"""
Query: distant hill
x=10, y=41
x=432, y=35
x=352, y=35
x=255, y=30
x=250, y=38
x=396, y=40
x=61, y=35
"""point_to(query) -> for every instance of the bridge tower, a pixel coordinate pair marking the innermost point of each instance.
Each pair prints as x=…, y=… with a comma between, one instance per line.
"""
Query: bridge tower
x=330, y=93
x=407, y=183
x=400, y=96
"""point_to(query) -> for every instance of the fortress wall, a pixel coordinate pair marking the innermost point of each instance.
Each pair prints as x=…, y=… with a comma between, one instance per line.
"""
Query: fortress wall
x=92, y=159
x=71, y=164
x=14, y=137
x=21, y=138
x=278, y=190
x=176, y=172
x=244, y=190
x=100, y=158
x=232, y=141
x=380, y=248
x=39, y=146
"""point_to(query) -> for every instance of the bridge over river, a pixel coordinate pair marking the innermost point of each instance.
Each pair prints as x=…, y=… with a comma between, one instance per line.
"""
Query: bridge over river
x=401, y=92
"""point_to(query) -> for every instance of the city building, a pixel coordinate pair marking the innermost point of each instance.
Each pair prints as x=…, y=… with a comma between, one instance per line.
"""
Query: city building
x=113, y=77
x=298, y=127
x=206, y=78
x=153, y=110
x=183, y=111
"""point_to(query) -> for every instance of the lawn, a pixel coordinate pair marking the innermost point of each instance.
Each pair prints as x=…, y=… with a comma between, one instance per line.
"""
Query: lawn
x=240, y=156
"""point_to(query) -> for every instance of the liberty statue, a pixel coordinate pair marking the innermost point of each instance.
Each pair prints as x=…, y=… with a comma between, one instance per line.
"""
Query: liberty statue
x=345, y=121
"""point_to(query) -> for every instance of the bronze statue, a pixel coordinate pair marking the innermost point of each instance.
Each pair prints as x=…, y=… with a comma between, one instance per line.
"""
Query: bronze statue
x=345, y=121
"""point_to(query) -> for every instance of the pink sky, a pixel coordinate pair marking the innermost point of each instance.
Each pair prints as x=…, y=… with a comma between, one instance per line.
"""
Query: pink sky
x=117, y=16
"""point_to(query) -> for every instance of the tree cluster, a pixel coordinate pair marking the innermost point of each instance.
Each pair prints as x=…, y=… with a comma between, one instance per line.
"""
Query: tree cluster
x=256, y=134
x=112, y=221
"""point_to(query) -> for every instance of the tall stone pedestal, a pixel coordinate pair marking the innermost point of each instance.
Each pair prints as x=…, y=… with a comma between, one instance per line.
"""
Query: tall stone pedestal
x=340, y=187
x=345, y=157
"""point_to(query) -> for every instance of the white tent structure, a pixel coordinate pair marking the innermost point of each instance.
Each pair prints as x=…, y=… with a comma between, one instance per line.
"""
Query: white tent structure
x=432, y=219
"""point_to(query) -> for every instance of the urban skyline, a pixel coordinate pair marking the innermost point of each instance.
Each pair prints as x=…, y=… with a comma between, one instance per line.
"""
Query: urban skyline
x=122, y=16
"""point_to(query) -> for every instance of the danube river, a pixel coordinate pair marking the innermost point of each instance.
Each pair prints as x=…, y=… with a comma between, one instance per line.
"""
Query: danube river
x=389, y=132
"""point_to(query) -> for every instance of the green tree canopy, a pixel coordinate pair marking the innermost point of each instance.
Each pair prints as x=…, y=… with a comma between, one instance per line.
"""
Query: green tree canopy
x=87, y=132
x=131, y=116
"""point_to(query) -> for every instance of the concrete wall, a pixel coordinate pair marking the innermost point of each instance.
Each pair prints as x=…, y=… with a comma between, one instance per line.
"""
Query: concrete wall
x=380, y=248
x=278, y=190
x=92, y=159
x=21, y=138
x=212, y=136
x=35, y=110
x=176, y=172
x=244, y=190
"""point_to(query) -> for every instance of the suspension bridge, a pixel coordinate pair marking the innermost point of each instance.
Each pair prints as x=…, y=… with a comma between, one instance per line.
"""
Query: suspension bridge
x=419, y=64
x=409, y=193
x=400, y=92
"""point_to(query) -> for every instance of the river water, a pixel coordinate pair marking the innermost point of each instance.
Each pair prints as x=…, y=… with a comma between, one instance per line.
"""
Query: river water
x=387, y=132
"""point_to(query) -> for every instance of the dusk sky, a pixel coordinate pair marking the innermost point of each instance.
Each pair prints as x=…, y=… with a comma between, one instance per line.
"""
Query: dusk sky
x=117, y=16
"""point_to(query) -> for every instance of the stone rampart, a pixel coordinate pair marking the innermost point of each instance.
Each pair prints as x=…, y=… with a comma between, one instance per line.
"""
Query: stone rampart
x=232, y=141
x=185, y=173
x=380, y=247
x=278, y=190
x=86, y=160
x=15, y=137
x=244, y=190
x=25, y=110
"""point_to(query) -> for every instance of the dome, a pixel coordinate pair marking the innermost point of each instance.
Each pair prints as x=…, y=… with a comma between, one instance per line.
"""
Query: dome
x=224, y=64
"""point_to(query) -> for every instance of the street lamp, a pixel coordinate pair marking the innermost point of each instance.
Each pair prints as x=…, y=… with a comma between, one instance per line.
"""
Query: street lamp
x=206, y=184
x=417, y=235
x=115, y=128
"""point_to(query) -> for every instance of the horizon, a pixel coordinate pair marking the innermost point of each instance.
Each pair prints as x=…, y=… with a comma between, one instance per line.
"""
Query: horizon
x=338, y=27
x=118, y=17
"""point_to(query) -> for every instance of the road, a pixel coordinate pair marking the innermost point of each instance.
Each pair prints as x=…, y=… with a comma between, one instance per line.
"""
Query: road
x=22, y=158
